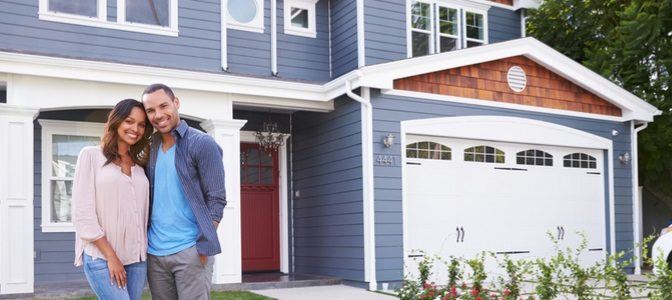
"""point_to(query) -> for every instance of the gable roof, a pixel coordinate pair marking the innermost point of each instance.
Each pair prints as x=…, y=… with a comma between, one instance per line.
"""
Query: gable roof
x=382, y=76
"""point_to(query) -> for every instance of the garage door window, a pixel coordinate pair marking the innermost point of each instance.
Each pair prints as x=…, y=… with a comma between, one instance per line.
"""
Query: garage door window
x=580, y=160
x=484, y=154
x=534, y=157
x=428, y=150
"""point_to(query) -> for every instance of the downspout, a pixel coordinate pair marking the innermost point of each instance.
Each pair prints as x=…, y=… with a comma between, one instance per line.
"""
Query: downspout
x=222, y=20
x=274, y=37
x=636, y=199
x=367, y=175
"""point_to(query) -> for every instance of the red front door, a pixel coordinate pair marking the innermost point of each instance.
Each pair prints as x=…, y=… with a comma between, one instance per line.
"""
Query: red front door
x=259, y=210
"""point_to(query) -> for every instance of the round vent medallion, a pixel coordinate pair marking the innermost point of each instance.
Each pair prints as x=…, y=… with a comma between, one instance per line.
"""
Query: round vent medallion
x=516, y=78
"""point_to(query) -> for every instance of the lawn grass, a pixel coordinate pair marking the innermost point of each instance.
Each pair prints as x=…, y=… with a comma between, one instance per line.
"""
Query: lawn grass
x=228, y=295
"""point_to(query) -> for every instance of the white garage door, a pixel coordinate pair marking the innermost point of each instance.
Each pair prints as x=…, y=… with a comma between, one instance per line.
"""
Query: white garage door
x=468, y=196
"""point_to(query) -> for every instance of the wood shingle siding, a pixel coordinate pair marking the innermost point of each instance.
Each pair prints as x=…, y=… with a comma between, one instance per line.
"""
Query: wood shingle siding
x=488, y=81
x=507, y=2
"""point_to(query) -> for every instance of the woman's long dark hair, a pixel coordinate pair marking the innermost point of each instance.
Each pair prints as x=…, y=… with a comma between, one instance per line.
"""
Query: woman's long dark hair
x=139, y=151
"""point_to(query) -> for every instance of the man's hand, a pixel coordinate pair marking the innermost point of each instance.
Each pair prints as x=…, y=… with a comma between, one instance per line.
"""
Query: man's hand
x=203, y=258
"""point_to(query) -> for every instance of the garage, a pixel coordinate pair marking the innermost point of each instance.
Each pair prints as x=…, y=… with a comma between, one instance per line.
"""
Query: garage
x=464, y=196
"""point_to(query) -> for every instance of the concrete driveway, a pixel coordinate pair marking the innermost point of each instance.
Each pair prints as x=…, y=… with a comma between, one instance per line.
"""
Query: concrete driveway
x=335, y=292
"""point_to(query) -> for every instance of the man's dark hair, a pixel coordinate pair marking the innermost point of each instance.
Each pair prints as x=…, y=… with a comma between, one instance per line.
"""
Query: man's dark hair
x=159, y=86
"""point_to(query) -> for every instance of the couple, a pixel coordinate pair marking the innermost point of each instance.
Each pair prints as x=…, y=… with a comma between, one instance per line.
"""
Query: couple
x=160, y=225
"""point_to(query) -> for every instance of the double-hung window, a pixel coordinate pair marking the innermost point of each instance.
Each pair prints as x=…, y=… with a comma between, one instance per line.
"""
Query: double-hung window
x=146, y=16
x=61, y=143
x=439, y=26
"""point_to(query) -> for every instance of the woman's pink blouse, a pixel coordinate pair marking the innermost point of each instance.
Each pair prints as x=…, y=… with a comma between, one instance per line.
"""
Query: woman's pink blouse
x=108, y=203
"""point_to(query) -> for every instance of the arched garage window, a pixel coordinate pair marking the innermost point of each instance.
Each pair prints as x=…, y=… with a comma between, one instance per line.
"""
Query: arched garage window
x=484, y=154
x=580, y=160
x=534, y=157
x=428, y=150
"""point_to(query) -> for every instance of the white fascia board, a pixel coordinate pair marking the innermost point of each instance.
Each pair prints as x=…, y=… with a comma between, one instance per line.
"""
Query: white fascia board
x=141, y=75
x=382, y=76
x=533, y=4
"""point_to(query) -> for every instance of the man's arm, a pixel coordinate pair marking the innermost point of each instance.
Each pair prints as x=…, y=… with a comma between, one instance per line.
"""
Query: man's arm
x=211, y=173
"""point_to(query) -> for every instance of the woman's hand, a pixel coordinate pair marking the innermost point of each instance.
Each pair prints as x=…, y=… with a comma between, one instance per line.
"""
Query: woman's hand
x=117, y=271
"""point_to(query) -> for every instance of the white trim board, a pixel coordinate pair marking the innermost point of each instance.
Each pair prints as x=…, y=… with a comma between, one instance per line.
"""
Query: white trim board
x=248, y=137
x=379, y=76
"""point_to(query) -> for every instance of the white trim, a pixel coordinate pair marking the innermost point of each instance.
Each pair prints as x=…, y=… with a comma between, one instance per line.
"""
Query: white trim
x=248, y=137
x=274, y=37
x=16, y=199
x=636, y=194
x=331, y=65
x=361, y=56
x=255, y=25
x=507, y=129
x=518, y=4
x=50, y=128
x=120, y=24
x=223, y=35
x=505, y=105
x=523, y=23
x=368, y=209
x=309, y=6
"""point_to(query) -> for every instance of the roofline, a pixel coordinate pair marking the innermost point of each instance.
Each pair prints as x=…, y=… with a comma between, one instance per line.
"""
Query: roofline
x=380, y=76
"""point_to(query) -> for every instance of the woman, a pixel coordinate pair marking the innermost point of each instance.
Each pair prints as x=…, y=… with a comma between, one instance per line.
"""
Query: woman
x=111, y=205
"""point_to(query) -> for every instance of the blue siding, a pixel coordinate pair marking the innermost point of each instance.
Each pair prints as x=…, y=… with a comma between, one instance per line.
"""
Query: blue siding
x=303, y=57
x=389, y=111
x=385, y=30
x=197, y=47
x=343, y=36
x=503, y=25
x=327, y=174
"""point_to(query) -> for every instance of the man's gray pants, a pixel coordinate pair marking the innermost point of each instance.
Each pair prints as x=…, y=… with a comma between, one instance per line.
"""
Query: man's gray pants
x=179, y=276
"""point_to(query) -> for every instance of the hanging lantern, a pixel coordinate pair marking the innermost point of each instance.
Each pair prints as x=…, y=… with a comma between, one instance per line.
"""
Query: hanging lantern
x=269, y=136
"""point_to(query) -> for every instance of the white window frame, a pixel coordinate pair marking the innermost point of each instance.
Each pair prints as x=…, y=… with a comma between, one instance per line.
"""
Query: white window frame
x=102, y=22
x=463, y=6
x=432, y=26
x=464, y=27
x=438, y=6
x=256, y=25
x=49, y=129
x=308, y=5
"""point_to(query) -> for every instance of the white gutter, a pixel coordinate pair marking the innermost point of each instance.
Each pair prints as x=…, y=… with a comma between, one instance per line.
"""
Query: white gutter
x=367, y=178
x=222, y=20
x=274, y=37
x=361, y=59
x=636, y=197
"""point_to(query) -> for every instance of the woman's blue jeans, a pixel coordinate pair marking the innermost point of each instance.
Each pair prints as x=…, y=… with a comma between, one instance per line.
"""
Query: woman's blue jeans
x=98, y=276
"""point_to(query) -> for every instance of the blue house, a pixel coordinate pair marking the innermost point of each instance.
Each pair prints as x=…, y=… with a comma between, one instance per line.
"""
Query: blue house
x=408, y=125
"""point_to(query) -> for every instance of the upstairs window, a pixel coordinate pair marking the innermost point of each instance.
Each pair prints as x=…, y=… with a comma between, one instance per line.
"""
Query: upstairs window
x=474, y=28
x=421, y=28
x=155, y=12
x=428, y=150
x=153, y=17
x=246, y=15
x=534, y=157
x=436, y=26
x=299, y=18
x=485, y=154
x=580, y=160
x=86, y=8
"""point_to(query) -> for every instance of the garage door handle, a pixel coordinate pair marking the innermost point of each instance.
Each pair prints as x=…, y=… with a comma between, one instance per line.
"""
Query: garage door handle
x=462, y=230
x=558, y=229
x=562, y=229
x=458, y=234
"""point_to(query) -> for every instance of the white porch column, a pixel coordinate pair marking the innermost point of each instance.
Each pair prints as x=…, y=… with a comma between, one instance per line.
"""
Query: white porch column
x=228, y=264
x=16, y=199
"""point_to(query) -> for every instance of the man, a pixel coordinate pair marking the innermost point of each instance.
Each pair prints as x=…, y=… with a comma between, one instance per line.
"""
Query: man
x=187, y=201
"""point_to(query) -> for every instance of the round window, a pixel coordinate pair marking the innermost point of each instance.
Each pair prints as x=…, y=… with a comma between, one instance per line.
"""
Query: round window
x=243, y=11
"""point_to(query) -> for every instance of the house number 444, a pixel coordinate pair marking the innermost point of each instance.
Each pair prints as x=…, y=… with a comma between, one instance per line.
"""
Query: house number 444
x=385, y=160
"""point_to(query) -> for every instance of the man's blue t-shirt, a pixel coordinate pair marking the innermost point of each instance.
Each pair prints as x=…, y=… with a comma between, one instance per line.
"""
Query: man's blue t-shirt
x=173, y=226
